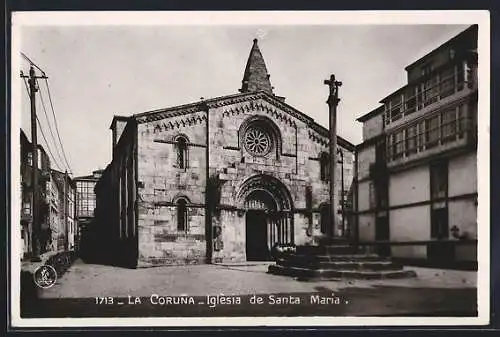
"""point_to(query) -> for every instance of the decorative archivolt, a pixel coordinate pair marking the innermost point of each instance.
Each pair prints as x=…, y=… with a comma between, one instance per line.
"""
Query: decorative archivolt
x=218, y=102
x=172, y=124
x=275, y=189
x=252, y=106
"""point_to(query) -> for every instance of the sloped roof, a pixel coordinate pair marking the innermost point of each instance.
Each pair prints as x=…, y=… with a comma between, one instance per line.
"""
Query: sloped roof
x=256, y=77
x=237, y=98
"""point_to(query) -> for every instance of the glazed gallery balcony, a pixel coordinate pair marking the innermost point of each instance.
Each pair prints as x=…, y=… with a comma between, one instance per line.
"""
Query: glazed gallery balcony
x=444, y=131
x=430, y=92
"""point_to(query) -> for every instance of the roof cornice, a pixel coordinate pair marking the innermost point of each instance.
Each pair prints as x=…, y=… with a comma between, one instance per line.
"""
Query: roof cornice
x=222, y=101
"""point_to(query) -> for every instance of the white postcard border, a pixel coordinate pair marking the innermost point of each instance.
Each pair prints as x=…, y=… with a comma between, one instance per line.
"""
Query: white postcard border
x=482, y=18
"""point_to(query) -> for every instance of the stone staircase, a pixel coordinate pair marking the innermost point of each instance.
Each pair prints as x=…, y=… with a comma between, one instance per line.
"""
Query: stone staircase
x=337, y=260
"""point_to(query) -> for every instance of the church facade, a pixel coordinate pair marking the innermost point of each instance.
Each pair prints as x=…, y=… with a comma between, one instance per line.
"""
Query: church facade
x=219, y=180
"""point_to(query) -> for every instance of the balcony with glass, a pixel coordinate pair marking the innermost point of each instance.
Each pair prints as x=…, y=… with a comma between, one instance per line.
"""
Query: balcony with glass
x=452, y=128
x=430, y=92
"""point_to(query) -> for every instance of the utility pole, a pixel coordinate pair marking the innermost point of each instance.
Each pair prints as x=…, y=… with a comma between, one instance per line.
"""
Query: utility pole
x=333, y=101
x=36, y=227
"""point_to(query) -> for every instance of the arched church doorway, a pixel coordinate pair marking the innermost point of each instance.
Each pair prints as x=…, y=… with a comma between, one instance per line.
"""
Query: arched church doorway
x=268, y=219
x=259, y=205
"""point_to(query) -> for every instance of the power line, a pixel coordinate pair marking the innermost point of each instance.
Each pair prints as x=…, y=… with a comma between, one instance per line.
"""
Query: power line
x=32, y=63
x=52, y=108
x=55, y=122
x=50, y=129
x=43, y=135
x=48, y=147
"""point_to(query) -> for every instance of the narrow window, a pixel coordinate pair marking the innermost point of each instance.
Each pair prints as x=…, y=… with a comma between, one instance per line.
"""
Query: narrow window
x=448, y=125
x=324, y=166
x=181, y=215
x=462, y=120
x=324, y=218
x=432, y=132
x=398, y=145
x=372, y=195
x=182, y=152
x=439, y=180
x=396, y=108
x=411, y=140
x=420, y=136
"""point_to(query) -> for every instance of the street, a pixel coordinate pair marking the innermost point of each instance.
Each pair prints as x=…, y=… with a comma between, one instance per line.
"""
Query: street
x=87, y=290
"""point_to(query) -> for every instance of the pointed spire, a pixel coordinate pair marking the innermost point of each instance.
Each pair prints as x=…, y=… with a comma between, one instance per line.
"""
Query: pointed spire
x=256, y=77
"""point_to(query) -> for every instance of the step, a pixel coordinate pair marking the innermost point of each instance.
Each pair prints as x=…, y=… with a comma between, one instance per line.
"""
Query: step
x=335, y=257
x=333, y=241
x=306, y=274
x=341, y=265
x=331, y=249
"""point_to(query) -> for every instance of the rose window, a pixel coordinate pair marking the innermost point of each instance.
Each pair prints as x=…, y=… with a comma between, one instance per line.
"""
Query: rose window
x=258, y=141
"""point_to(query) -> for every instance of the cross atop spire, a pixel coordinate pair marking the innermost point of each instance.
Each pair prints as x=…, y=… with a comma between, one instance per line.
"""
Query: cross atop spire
x=256, y=77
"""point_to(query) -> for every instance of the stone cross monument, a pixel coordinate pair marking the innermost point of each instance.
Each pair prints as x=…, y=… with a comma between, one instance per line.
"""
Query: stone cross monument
x=333, y=101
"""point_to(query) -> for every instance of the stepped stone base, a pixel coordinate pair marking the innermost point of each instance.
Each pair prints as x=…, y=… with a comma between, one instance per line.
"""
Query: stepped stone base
x=337, y=260
x=305, y=274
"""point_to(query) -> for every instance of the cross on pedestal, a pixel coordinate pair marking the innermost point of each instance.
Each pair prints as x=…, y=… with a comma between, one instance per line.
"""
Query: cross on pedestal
x=333, y=100
x=334, y=86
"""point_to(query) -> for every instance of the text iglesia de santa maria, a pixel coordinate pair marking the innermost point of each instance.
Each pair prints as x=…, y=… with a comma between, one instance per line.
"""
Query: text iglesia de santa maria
x=219, y=180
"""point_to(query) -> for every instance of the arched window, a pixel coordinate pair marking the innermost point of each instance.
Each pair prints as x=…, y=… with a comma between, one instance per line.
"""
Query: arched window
x=182, y=152
x=182, y=217
x=324, y=166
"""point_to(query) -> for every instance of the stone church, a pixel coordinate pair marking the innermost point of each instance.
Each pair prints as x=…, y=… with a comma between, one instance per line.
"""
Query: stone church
x=219, y=180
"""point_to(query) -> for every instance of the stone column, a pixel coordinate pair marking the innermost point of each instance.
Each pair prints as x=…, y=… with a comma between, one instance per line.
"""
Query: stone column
x=333, y=101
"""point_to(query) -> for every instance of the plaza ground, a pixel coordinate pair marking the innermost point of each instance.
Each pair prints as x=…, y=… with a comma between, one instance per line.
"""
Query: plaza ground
x=434, y=292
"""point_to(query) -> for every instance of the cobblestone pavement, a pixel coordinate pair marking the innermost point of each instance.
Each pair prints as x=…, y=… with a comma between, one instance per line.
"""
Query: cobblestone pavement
x=434, y=292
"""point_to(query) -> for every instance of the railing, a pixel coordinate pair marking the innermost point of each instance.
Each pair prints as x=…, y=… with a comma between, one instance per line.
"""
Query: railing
x=436, y=130
x=429, y=91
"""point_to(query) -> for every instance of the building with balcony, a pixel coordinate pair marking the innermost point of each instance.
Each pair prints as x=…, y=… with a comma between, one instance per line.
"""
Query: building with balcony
x=85, y=195
x=65, y=225
x=26, y=169
x=416, y=171
x=85, y=201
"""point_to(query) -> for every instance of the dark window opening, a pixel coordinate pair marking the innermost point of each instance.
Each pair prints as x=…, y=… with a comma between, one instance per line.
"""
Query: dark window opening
x=182, y=215
x=439, y=223
x=324, y=218
x=439, y=180
x=324, y=166
x=182, y=157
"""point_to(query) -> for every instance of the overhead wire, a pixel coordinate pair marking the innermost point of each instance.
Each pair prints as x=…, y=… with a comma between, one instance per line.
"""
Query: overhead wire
x=43, y=135
x=50, y=130
x=32, y=63
x=53, y=112
x=56, y=124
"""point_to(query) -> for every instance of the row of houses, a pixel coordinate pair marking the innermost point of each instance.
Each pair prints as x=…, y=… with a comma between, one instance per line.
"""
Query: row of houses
x=56, y=203
x=65, y=204
x=417, y=165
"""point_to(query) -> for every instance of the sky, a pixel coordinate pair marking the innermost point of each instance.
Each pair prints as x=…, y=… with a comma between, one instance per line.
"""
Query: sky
x=96, y=72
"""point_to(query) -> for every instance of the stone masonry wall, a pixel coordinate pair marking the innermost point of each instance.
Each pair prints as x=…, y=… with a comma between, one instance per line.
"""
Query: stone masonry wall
x=161, y=182
x=295, y=167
